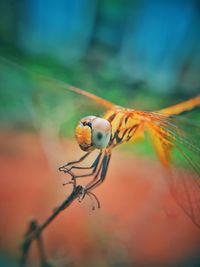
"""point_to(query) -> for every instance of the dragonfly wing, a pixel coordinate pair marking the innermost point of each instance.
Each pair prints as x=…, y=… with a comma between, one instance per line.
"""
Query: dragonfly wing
x=46, y=80
x=182, y=107
x=185, y=182
x=177, y=144
x=64, y=85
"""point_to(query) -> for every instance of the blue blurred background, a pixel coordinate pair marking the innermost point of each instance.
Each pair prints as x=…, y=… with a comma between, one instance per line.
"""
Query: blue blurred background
x=148, y=43
x=145, y=49
x=140, y=54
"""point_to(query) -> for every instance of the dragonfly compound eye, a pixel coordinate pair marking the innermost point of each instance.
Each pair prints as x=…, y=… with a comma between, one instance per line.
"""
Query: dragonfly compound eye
x=83, y=133
x=101, y=133
x=93, y=132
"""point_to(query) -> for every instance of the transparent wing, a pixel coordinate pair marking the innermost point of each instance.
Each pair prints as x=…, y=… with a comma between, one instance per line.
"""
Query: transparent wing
x=58, y=84
x=66, y=86
x=177, y=142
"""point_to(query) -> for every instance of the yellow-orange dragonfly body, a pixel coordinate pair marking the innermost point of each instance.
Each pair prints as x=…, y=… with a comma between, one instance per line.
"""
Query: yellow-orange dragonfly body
x=121, y=125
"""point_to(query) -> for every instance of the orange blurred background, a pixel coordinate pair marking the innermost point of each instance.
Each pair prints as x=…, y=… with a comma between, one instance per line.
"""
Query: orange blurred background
x=138, y=224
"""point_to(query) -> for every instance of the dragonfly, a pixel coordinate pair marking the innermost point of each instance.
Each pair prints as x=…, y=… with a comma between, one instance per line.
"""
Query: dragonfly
x=176, y=141
x=172, y=138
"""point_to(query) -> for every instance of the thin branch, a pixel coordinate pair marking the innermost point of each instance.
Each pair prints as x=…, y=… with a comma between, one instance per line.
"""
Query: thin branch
x=34, y=231
x=41, y=249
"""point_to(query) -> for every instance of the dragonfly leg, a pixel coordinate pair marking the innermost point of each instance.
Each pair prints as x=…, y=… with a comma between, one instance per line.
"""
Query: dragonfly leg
x=87, y=168
x=99, y=169
x=64, y=167
x=94, y=167
x=102, y=171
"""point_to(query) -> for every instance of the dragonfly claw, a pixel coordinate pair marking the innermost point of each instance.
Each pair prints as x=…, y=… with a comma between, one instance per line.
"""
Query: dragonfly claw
x=83, y=193
x=69, y=182
x=65, y=170
x=62, y=169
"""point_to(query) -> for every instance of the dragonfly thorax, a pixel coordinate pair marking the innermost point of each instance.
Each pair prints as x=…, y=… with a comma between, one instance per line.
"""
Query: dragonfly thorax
x=93, y=132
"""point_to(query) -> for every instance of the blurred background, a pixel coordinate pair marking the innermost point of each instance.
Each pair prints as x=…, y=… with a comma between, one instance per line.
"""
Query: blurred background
x=139, y=54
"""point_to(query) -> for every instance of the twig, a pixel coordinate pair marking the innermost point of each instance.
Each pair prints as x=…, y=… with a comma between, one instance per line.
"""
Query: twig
x=35, y=230
x=43, y=259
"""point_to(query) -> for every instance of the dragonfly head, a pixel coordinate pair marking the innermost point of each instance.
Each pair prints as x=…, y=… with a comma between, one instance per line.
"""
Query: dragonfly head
x=93, y=132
